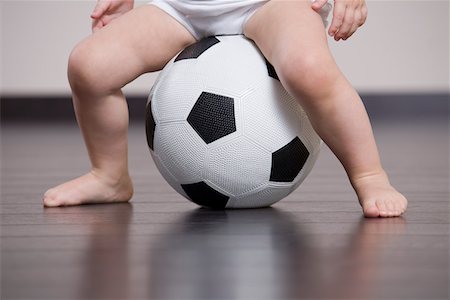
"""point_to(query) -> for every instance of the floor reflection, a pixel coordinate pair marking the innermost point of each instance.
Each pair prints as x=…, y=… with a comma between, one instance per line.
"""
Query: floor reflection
x=234, y=254
x=106, y=259
x=262, y=254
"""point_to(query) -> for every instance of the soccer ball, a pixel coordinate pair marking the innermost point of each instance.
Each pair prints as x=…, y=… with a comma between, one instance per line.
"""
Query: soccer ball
x=223, y=131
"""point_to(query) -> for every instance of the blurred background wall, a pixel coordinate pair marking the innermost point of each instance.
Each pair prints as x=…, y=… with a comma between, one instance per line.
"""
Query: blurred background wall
x=403, y=48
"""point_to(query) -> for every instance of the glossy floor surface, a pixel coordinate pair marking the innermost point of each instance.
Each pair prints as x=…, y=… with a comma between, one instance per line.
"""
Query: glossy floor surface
x=315, y=244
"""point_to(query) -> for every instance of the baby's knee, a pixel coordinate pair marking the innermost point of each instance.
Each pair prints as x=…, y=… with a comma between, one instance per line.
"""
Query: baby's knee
x=86, y=68
x=309, y=73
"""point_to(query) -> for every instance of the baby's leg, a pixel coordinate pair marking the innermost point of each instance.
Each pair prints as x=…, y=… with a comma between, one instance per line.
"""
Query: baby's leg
x=143, y=40
x=292, y=37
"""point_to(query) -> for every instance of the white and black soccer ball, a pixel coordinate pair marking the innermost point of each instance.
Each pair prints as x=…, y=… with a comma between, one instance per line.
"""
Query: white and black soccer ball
x=223, y=131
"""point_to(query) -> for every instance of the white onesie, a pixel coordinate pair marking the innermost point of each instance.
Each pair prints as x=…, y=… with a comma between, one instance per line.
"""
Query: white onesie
x=216, y=17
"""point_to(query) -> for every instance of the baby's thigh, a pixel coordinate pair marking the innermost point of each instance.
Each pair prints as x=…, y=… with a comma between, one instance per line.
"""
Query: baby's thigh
x=140, y=41
x=291, y=35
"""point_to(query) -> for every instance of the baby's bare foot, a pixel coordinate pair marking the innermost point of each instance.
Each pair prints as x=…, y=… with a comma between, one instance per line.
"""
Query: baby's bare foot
x=378, y=198
x=89, y=188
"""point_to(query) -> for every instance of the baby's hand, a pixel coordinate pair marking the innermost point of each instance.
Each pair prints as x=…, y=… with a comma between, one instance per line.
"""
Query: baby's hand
x=348, y=15
x=107, y=10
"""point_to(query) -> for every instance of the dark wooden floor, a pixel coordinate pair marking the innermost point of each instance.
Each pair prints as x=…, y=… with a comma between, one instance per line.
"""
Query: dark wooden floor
x=313, y=244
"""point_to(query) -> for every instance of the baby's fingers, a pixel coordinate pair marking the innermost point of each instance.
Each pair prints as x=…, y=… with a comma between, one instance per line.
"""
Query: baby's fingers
x=318, y=4
x=363, y=14
x=338, y=17
x=345, y=30
x=356, y=24
x=97, y=24
x=100, y=8
x=347, y=17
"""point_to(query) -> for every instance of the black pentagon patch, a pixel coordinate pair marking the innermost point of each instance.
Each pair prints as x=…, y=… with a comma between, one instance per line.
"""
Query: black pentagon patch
x=271, y=71
x=196, y=49
x=212, y=116
x=149, y=125
x=204, y=195
x=288, y=161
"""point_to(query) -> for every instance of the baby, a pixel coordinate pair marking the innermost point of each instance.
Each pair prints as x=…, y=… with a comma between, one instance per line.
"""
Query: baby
x=128, y=42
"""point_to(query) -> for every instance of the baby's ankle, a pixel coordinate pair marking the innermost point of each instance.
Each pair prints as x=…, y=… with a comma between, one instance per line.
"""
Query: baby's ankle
x=112, y=178
x=120, y=182
x=378, y=176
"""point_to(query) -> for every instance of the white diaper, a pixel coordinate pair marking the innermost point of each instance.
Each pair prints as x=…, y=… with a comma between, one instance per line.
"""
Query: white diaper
x=216, y=17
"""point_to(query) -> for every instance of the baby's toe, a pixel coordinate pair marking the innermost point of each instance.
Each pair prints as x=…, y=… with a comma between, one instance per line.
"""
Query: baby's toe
x=391, y=207
x=54, y=197
x=370, y=209
x=50, y=198
x=404, y=204
x=383, y=208
x=398, y=208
